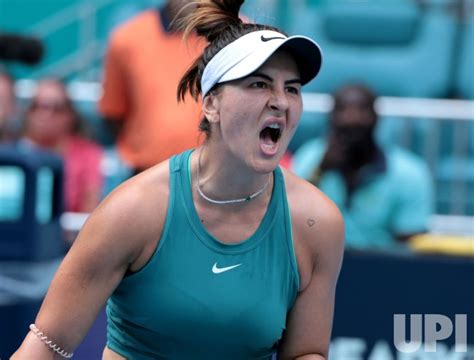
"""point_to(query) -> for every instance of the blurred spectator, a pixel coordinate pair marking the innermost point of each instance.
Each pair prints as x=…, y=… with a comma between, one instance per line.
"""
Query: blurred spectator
x=139, y=101
x=9, y=121
x=54, y=124
x=384, y=193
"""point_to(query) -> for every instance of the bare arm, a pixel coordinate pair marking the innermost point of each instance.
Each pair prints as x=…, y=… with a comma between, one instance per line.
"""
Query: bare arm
x=112, y=241
x=319, y=227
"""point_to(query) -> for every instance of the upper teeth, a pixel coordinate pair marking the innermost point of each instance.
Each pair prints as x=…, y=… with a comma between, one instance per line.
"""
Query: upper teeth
x=274, y=126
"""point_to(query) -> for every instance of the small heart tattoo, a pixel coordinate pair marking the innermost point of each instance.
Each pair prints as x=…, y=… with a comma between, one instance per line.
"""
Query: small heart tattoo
x=310, y=222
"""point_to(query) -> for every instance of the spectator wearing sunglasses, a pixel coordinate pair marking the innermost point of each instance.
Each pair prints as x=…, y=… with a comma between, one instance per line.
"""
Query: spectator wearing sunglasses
x=53, y=123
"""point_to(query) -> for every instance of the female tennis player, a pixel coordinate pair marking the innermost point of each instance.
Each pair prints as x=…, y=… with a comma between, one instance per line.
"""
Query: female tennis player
x=217, y=253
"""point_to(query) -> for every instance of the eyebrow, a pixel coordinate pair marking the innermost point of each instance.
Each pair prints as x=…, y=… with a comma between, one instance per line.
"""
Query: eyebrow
x=269, y=78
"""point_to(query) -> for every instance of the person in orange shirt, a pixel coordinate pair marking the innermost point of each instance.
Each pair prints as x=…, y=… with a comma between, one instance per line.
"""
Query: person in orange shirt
x=145, y=60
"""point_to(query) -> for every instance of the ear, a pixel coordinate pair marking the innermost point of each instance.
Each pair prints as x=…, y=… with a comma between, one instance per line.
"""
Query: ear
x=210, y=108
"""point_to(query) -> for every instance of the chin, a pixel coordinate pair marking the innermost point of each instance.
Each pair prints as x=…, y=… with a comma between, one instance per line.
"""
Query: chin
x=266, y=166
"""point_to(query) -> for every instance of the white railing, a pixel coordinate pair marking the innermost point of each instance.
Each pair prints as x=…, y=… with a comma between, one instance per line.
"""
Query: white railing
x=89, y=49
x=402, y=107
x=78, y=90
x=313, y=102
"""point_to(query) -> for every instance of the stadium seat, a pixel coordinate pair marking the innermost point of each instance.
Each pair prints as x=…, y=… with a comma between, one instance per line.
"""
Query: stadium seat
x=31, y=243
x=31, y=202
x=465, y=74
x=455, y=183
x=396, y=47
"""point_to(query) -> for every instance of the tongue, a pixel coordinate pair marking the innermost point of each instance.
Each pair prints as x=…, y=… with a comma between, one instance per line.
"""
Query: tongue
x=267, y=145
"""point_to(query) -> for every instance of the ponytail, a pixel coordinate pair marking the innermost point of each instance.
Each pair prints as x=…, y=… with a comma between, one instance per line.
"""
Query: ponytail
x=211, y=18
x=219, y=23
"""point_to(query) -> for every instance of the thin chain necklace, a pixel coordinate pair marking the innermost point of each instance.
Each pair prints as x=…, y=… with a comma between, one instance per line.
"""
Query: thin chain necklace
x=224, y=202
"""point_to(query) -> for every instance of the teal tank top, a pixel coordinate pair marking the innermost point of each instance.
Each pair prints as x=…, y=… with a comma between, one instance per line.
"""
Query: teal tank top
x=198, y=298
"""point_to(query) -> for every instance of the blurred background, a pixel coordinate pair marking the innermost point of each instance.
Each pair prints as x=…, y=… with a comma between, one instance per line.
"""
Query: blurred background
x=416, y=55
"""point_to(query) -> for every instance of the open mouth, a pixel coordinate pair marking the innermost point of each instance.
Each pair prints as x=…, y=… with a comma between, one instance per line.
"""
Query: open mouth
x=269, y=137
x=271, y=133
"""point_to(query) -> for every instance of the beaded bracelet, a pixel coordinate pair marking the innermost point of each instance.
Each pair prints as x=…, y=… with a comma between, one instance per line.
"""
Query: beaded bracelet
x=53, y=346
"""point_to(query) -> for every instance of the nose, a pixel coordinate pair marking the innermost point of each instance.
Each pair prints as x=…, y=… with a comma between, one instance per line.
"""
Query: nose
x=278, y=100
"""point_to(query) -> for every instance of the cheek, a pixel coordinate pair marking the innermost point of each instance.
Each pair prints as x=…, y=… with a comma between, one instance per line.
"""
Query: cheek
x=295, y=115
x=235, y=127
x=238, y=119
x=294, y=123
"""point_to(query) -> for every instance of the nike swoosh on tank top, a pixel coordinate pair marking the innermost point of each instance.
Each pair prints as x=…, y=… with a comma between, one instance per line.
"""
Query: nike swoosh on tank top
x=177, y=307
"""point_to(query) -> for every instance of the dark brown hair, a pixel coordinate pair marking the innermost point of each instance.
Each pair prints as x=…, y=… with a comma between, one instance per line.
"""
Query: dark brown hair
x=218, y=21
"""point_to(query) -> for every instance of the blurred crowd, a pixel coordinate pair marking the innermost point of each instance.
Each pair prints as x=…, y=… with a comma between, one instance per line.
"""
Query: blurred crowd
x=385, y=193
x=50, y=122
x=387, y=190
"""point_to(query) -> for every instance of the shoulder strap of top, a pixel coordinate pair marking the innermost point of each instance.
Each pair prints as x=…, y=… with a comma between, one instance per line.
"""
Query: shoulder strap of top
x=176, y=163
x=175, y=166
x=288, y=225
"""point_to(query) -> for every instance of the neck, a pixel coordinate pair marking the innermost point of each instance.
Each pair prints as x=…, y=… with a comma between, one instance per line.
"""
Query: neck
x=224, y=178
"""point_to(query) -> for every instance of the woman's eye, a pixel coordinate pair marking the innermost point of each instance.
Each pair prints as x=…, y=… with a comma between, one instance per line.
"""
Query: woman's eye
x=259, y=85
x=293, y=90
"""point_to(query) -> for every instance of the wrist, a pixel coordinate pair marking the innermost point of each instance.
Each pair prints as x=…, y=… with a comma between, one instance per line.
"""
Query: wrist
x=53, y=348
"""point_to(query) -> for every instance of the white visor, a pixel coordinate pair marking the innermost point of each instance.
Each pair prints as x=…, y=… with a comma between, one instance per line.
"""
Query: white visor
x=246, y=54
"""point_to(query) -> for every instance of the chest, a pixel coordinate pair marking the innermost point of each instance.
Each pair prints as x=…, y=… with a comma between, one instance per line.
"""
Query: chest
x=230, y=297
x=232, y=225
x=195, y=300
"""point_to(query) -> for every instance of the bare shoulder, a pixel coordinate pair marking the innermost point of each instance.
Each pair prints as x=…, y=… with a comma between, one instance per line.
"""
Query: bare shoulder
x=130, y=220
x=318, y=226
x=311, y=210
x=140, y=193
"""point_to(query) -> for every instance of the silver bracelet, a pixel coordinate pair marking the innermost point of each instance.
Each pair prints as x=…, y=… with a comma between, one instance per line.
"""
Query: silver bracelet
x=53, y=346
